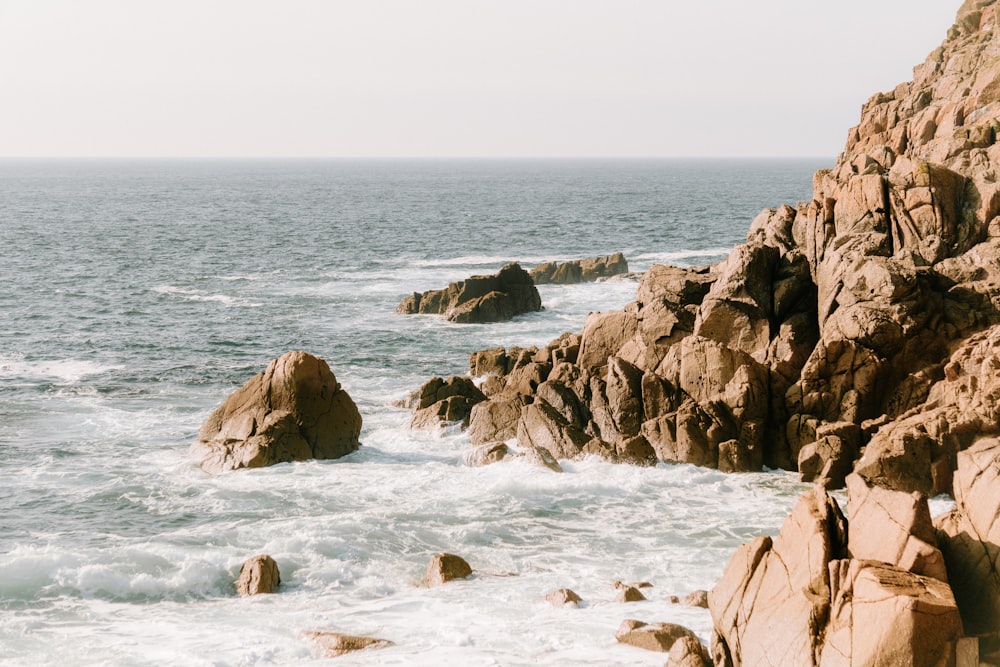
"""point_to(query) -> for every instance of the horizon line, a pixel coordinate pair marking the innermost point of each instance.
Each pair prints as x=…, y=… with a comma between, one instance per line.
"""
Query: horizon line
x=416, y=157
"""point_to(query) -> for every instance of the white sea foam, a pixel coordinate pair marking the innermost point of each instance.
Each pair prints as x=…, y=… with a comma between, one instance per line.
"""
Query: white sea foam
x=199, y=295
x=682, y=257
x=64, y=370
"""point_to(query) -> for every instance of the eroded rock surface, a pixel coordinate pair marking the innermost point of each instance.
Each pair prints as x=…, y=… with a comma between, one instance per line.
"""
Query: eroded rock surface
x=293, y=411
x=479, y=299
x=580, y=270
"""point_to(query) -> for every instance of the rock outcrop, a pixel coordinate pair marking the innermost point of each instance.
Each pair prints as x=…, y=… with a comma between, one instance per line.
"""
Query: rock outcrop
x=444, y=568
x=479, y=299
x=654, y=636
x=855, y=331
x=335, y=644
x=259, y=575
x=831, y=592
x=294, y=410
x=580, y=270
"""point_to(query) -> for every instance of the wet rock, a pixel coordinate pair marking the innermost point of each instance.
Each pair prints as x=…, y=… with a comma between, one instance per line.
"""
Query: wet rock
x=486, y=454
x=293, y=411
x=479, y=299
x=444, y=568
x=651, y=636
x=335, y=644
x=687, y=651
x=697, y=598
x=258, y=575
x=495, y=419
x=540, y=456
x=628, y=593
x=563, y=597
x=580, y=270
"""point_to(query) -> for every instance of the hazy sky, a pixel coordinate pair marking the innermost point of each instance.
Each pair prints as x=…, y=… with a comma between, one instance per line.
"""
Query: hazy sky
x=450, y=77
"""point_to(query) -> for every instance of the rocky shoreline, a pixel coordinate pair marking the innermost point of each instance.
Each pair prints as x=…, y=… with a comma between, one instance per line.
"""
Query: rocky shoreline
x=854, y=338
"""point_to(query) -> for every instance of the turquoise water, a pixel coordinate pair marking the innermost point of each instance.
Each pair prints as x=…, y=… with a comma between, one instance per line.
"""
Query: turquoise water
x=136, y=295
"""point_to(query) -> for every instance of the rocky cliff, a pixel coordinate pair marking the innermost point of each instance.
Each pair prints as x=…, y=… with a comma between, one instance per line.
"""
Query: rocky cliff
x=855, y=327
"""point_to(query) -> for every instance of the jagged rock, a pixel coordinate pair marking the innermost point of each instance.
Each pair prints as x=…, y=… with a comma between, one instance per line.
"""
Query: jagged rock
x=970, y=537
x=892, y=527
x=540, y=456
x=813, y=597
x=444, y=568
x=495, y=419
x=687, y=651
x=696, y=599
x=769, y=605
x=479, y=299
x=258, y=575
x=543, y=427
x=563, y=597
x=628, y=593
x=294, y=410
x=651, y=636
x=442, y=401
x=604, y=334
x=486, y=454
x=882, y=615
x=335, y=644
x=580, y=270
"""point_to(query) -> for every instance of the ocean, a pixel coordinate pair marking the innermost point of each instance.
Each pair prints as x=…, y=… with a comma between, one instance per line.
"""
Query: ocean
x=135, y=295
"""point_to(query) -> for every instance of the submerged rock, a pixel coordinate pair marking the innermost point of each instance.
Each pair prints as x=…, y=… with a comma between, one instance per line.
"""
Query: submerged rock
x=335, y=644
x=293, y=411
x=563, y=597
x=479, y=299
x=652, y=636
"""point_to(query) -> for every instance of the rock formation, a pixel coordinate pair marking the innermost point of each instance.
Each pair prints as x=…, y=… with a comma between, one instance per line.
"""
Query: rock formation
x=654, y=636
x=854, y=331
x=293, y=411
x=444, y=568
x=826, y=591
x=563, y=597
x=259, y=575
x=580, y=270
x=495, y=298
x=335, y=644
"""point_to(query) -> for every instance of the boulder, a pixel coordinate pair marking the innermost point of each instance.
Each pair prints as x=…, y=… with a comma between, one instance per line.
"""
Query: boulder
x=293, y=411
x=336, y=644
x=541, y=426
x=479, y=299
x=651, y=636
x=495, y=419
x=697, y=598
x=687, y=651
x=444, y=568
x=563, y=597
x=540, y=456
x=580, y=270
x=486, y=454
x=970, y=537
x=628, y=593
x=258, y=575
x=440, y=402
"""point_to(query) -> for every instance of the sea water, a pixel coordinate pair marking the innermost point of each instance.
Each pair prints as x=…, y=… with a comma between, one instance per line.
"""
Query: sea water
x=136, y=295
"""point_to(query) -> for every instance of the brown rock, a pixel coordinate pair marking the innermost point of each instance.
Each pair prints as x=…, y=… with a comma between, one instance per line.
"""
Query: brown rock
x=540, y=456
x=294, y=410
x=970, y=537
x=892, y=527
x=495, y=419
x=696, y=599
x=486, y=454
x=563, y=597
x=440, y=402
x=335, y=644
x=687, y=651
x=651, y=636
x=479, y=299
x=257, y=576
x=542, y=427
x=603, y=335
x=444, y=568
x=627, y=593
x=580, y=270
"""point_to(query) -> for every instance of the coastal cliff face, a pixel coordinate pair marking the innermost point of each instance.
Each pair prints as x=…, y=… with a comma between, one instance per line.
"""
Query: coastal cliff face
x=855, y=328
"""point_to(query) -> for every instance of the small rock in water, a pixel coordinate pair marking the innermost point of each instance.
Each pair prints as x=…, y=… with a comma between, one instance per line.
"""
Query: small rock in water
x=629, y=592
x=651, y=636
x=446, y=567
x=336, y=644
x=258, y=575
x=563, y=597
x=486, y=454
x=696, y=599
x=688, y=652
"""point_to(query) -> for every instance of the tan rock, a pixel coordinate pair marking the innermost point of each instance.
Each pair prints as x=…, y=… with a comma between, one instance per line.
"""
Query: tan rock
x=335, y=644
x=696, y=599
x=604, y=334
x=540, y=456
x=687, y=651
x=542, y=427
x=892, y=527
x=294, y=410
x=495, y=419
x=563, y=597
x=485, y=455
x=444, y=568
x=258, y=575
x=651, y=636
x=580, y=270
x=494, y=298
x=628, y=593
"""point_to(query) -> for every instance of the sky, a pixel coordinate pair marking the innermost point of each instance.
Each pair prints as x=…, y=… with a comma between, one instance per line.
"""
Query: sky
x=450, y=78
